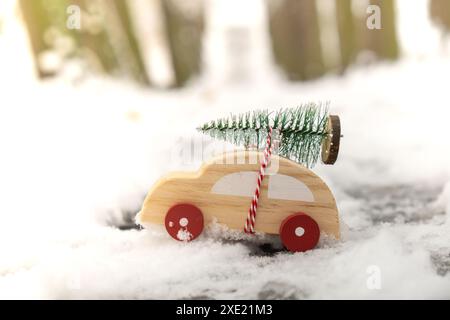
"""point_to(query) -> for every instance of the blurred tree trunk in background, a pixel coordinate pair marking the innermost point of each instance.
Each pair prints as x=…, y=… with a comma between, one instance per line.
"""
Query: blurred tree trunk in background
x=294, y=30
x=93, y=39
x=37, y=22
x=184, y=32
x=135, y=61
x=43, y=19
x=106, y=39
x=347, y=35
x=440, y=13
x=123, y=40
x=382, y=42
x=359, y=43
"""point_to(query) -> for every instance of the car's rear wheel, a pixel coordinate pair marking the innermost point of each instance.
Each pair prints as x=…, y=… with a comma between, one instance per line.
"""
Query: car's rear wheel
x=299, y=232
x=184, y=222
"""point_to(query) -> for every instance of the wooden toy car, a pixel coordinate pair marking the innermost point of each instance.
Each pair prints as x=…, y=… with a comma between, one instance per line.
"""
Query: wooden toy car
x=294, y=202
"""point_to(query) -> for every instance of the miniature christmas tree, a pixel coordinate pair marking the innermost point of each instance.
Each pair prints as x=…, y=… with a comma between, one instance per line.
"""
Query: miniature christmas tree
x=301, y=130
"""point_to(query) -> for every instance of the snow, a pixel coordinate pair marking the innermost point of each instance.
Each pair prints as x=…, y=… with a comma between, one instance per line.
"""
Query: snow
x=184, y=235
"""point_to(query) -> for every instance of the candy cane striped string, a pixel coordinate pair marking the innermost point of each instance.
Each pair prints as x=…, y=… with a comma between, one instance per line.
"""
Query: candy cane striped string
x=251, y=217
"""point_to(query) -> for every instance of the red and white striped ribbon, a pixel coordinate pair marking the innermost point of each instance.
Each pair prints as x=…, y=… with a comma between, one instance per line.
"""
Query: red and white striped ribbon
x=251, y=217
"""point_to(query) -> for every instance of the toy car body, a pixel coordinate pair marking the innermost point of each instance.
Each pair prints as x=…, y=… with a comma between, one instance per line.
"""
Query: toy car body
x=294, y=202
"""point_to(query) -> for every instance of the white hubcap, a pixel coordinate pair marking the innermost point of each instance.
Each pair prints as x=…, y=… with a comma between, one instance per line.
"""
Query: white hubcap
x=299, y=231
x=184, y=222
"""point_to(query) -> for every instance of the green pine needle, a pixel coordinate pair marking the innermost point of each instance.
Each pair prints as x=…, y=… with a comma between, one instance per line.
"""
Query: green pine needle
x=301, y=129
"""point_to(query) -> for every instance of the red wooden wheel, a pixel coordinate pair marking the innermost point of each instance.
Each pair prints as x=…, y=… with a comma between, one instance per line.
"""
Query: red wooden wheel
x=299, y=232
x=184, y=222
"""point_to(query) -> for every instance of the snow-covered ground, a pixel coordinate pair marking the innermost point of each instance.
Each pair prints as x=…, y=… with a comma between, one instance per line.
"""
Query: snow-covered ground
x=77, y=160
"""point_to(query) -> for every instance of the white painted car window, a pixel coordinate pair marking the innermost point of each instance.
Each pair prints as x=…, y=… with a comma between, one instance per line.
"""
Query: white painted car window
x=285, y=187
x=236, y=184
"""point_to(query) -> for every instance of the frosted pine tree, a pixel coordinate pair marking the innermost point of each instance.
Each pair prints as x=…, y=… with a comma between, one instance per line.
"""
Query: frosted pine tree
x=301, y=130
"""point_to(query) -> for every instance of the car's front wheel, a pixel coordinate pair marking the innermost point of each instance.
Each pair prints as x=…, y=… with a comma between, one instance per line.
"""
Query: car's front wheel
x=299, y=232
x=184, y=222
